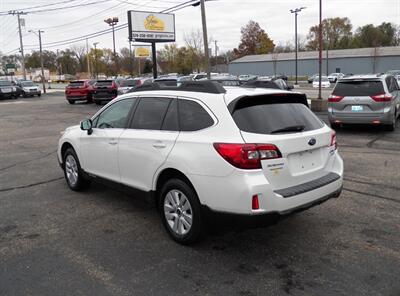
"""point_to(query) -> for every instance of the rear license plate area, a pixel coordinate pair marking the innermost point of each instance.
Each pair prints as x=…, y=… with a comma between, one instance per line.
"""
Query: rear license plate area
x=304, y=161
x=357, y=108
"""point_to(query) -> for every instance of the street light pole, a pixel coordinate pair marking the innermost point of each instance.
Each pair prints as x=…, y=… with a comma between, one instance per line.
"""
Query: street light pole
x=112, y=22
x=205, y=38
x=95, y=59
x=39, y=34
x=296, y=12
x=320, y=51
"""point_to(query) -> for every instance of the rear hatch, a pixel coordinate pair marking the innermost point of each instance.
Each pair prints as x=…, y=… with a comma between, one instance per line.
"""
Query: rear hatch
x=105, y=88
x=358, y=97
x=303, y=141
x=76, y=88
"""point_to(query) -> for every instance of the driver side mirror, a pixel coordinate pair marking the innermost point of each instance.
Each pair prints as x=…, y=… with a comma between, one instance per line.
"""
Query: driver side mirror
x=86, y=125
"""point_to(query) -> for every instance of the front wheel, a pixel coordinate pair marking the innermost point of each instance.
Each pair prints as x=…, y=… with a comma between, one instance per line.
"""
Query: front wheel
x=39, y=94
x=73, y=172
x=180, y=211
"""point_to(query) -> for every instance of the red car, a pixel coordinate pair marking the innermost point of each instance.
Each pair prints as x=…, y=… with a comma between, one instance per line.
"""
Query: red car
x=104, y=91
x=80, y=90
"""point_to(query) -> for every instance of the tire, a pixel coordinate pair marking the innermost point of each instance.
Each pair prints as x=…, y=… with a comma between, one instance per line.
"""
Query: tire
x=89, y=99
x=24, y=95
x=97, y=102
x=71, y=102
x=335, y=126
x=180, y=200
x=39, y=94
x=392, y=126
x=74, y=176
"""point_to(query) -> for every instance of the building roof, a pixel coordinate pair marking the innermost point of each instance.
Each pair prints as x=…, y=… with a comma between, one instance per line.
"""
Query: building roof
x=308, y=55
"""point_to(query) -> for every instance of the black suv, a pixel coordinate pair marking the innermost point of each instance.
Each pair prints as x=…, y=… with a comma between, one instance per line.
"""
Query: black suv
x=7, y=90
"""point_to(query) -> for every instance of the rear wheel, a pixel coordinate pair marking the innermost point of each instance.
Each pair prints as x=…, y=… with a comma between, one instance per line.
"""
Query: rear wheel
x=73, y=172
x=71, y=102
x=335, y=126
x=392, y=126
x=97, y=102
x=39, y=94
x=180, y=211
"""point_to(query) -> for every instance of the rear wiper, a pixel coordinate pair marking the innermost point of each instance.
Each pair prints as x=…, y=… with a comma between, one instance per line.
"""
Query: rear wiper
x=292, y=128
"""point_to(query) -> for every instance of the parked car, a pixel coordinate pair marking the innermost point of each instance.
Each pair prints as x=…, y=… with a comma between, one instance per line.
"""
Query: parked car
x=7, y=90
x=201, y=148
x=324, y=82
x=311, y=78
x=365, y=99
x=334, y=77
x=126, y=85
x=396, y=74
x=104, y=91
x=80, y=90
x=198, y=76
x=246, y=77
x=225, y=80
x=269, y=83
x=18, y=88
x=29, y=88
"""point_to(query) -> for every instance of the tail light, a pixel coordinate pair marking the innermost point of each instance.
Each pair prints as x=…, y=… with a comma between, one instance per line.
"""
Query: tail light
x=247, y=156
x=138, y=82
x=334, y=98
x=382, y=98
x=333, y=140
x=255, y=205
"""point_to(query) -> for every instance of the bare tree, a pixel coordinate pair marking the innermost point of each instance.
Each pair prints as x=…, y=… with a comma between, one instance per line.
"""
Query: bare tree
x=80, y=53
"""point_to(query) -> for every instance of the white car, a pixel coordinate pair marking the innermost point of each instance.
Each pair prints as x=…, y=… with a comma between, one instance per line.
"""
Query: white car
x=324, y=82
x=334, y=77
x=29, y=88
x=201, y=147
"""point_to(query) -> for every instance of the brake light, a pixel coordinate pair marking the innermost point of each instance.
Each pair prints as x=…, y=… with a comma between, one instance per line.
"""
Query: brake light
x=333, y=140
x=334, y=98
x=247, y=156
x=382, y=98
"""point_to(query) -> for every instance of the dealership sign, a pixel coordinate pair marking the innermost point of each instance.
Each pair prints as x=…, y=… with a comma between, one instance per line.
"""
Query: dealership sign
x=151, y=26
x=142, y=52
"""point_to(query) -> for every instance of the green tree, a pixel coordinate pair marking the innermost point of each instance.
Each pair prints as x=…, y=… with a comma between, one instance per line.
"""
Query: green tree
x=254, y=40
x=369, y=35
x=68, y=62
x=49, y=60
x=336, y=34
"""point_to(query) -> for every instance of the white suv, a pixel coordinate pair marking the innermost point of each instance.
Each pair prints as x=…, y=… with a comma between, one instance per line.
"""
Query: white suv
x=201, y=146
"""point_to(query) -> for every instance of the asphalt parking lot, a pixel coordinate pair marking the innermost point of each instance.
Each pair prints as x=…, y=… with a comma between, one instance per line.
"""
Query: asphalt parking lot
x=103, y=242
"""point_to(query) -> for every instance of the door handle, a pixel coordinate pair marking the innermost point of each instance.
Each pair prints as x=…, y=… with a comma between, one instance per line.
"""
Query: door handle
x=159, y=145
x=113, y=142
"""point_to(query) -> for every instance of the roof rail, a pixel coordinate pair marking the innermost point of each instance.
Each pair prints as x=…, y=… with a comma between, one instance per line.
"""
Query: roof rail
x=193, y=86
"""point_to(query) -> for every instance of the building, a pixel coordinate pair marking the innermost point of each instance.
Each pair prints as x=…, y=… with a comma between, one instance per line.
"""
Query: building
x=355, y=61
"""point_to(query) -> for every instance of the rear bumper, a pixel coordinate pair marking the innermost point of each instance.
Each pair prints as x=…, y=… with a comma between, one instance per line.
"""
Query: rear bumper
x=233, y=193
x=7, y=95
x=359, y=118
x=77, y=97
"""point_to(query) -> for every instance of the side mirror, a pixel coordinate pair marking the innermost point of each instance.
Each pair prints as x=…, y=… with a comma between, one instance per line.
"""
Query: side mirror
x=86, y=125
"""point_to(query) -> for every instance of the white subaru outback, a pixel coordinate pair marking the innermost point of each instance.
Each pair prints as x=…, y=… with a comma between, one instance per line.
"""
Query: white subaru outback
x=247, y=151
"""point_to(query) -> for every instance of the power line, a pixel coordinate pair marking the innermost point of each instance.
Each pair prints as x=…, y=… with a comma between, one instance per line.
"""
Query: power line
x=44, y=5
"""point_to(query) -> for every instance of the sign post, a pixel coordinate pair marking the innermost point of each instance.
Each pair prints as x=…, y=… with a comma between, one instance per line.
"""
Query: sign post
x=151, y=27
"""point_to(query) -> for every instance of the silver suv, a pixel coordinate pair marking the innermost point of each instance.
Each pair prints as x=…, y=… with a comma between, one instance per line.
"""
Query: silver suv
x=365, y=99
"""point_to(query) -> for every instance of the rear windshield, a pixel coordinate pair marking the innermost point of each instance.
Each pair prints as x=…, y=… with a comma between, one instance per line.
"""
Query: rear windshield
x=128, y=83
x=5, y=83
x=265, y=118
x=359, y=88
x=104, y=82
x=77, y=83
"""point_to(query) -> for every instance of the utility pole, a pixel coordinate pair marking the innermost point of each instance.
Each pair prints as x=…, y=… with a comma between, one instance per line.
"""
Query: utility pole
x=87, y=57
x=320, y=50
x=205, y=38
x=216, y=55
x=95, y=59
x=296, y=12
x=112, y=22
x=39, y=34
x=18, y=13
x=130, y=58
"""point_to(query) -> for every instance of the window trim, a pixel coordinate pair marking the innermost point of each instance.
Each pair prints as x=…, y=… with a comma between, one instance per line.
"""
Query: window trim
x=101, y=111
x=205, y=107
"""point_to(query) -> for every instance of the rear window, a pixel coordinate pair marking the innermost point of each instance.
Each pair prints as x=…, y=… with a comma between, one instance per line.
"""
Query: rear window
x=5, y=83
x=76, y=83
x=260, y=117
x=104, y=82
x=128, y=83
x=358, y=88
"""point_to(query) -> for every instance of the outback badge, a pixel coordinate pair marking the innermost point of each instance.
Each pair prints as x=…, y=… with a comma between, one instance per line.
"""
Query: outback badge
x=312, y=142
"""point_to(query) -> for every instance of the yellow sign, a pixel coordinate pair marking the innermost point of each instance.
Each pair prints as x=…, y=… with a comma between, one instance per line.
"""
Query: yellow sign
x=152, y=23
x=142, y=52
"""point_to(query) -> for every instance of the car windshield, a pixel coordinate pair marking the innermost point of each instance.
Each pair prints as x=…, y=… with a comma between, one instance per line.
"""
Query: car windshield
x=27, y=83
x=5, y=83
x=359, y=88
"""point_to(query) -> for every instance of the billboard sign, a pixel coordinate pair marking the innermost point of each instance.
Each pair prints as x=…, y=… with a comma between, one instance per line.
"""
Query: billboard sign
x=151, y=26
x=142, y=52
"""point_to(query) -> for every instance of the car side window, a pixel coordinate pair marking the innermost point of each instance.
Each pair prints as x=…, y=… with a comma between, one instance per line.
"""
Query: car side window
x=389, y=84
x=171, y=122
x=192, y=116
x=150, y=113
x=116, y=115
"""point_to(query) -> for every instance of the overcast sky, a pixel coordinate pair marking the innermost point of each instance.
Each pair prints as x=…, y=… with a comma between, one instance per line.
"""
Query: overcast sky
x=224, y=19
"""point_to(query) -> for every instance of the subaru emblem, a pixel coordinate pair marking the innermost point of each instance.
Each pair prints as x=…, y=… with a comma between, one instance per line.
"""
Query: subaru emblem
x=312, y=142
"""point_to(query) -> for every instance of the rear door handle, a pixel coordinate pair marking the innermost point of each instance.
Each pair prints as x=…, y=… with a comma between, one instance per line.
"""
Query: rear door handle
x=113, y=142
x=159, y=144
